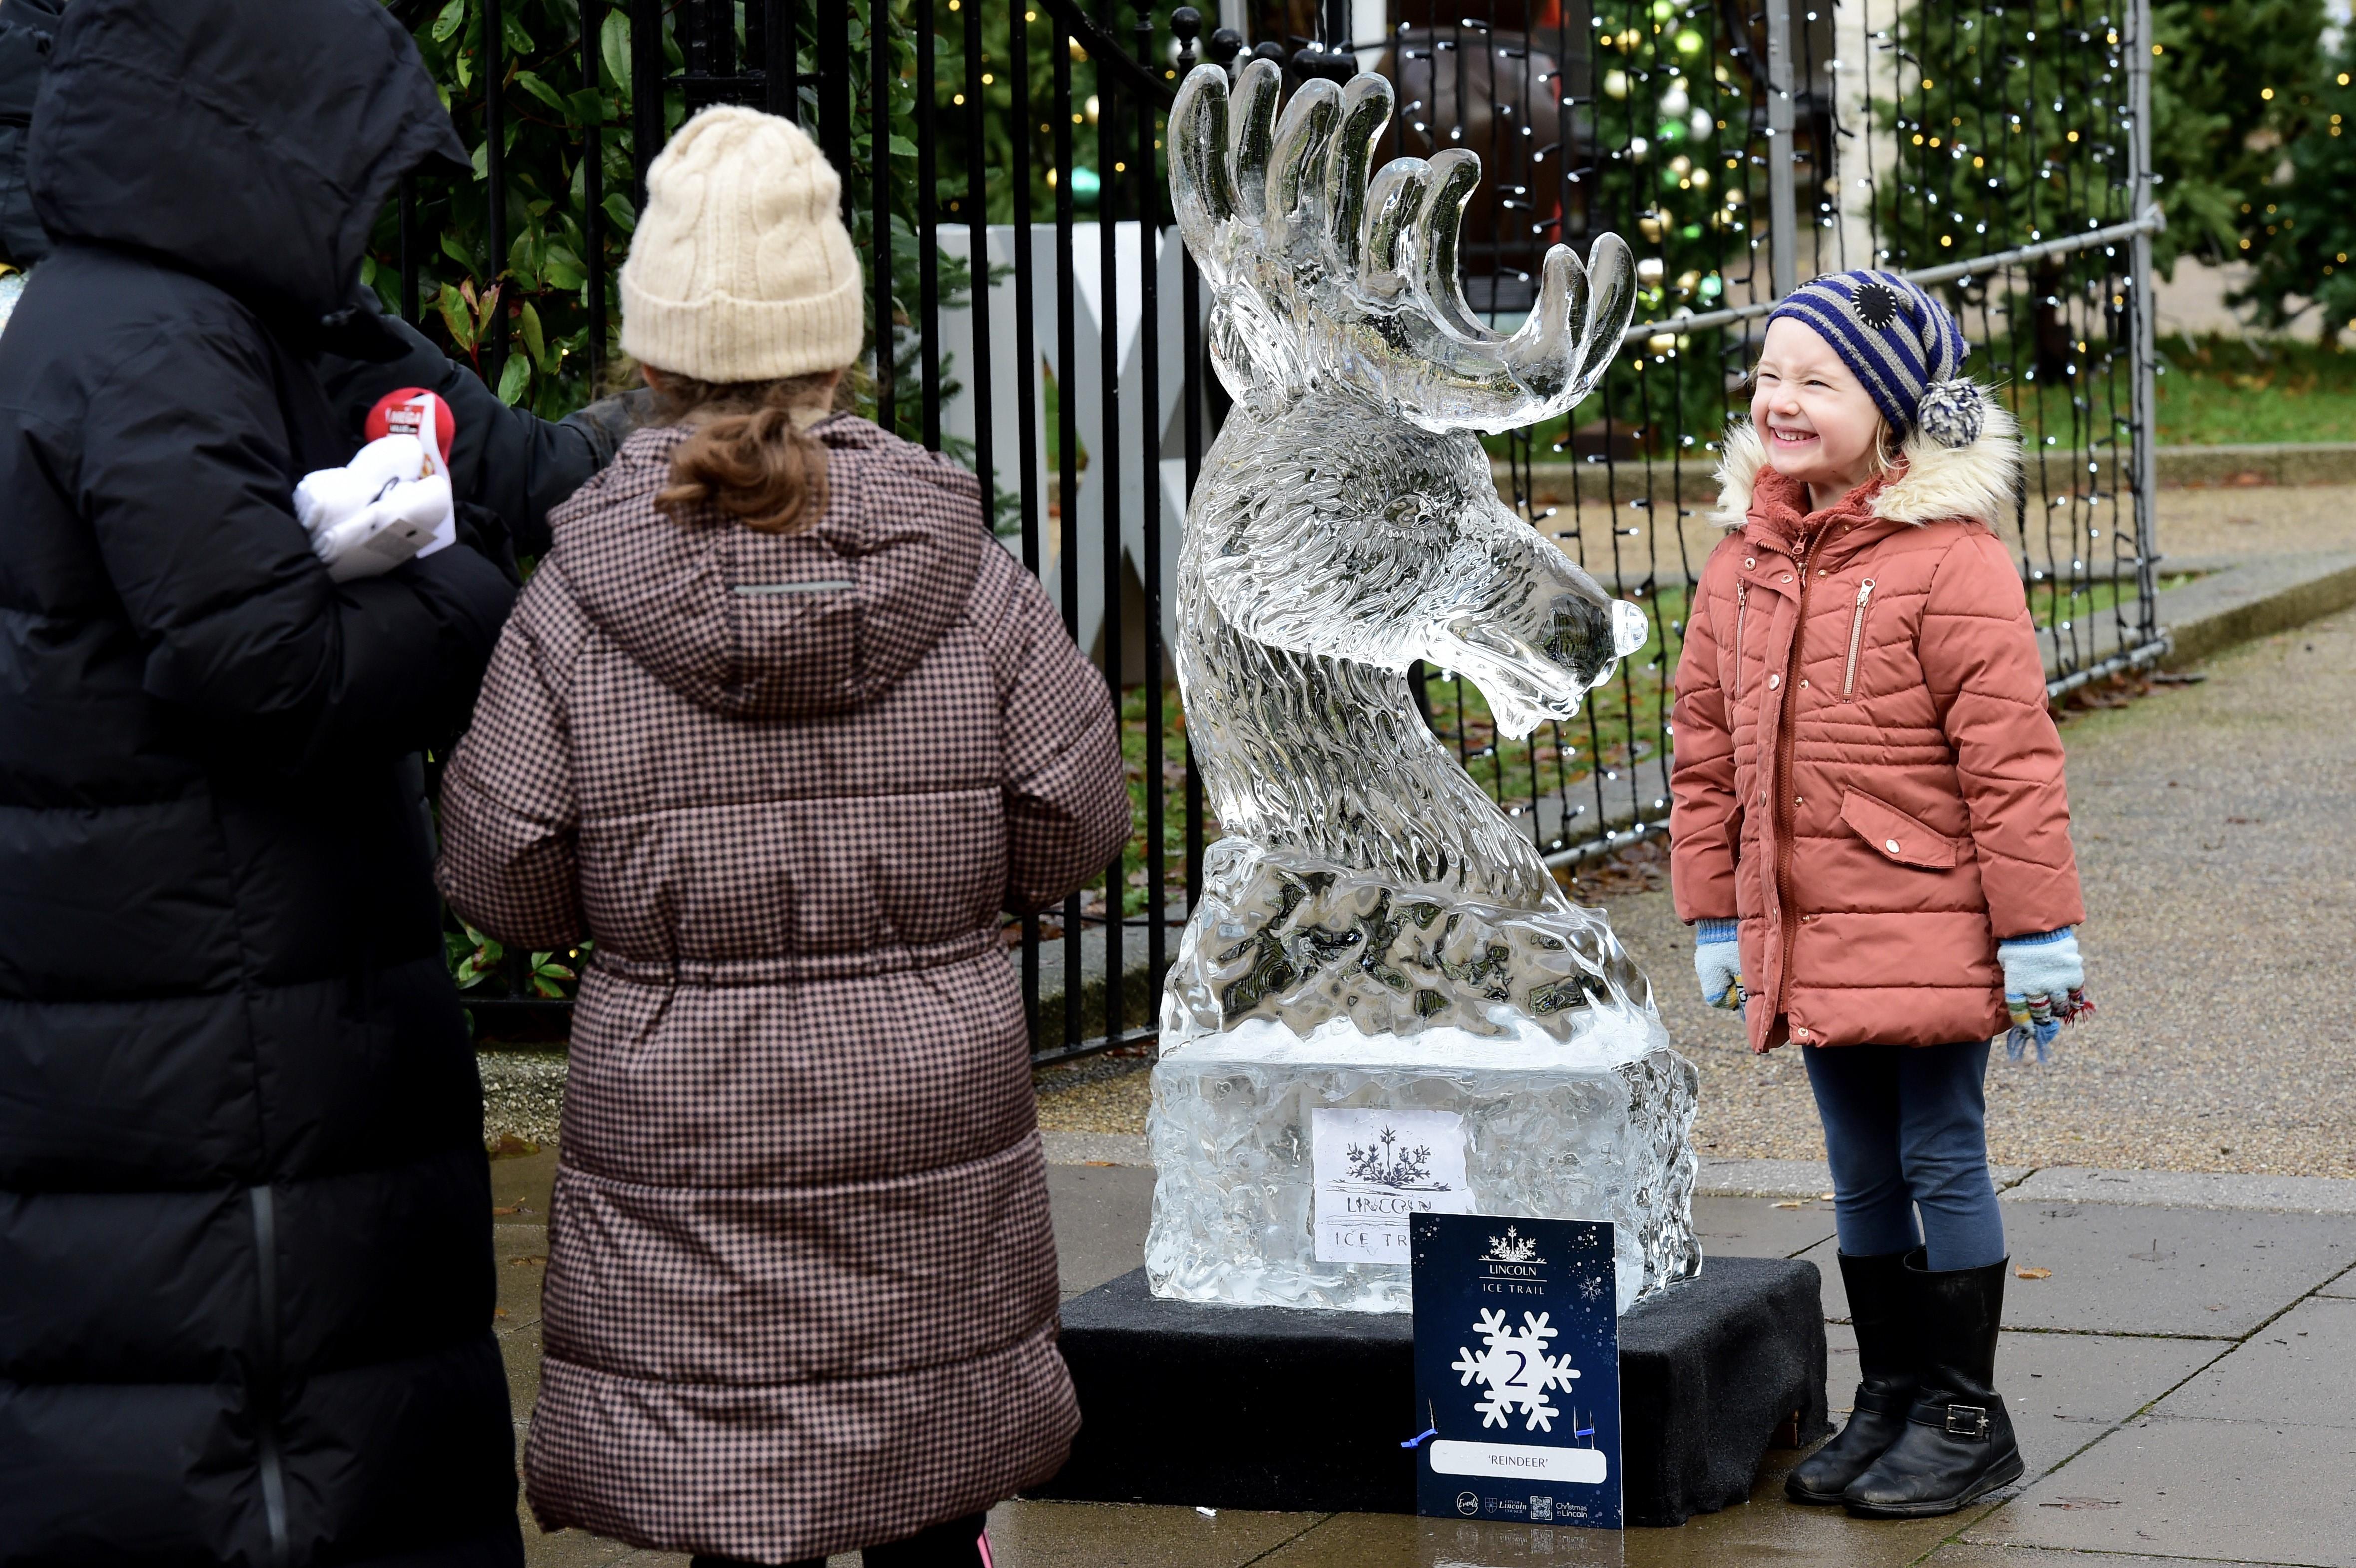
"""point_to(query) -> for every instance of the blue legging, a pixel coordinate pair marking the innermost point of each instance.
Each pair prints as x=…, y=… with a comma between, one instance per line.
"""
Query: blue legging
x=1906, y=1129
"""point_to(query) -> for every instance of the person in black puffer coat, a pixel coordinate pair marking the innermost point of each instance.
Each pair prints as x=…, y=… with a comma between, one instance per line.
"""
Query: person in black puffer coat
x=515, y=465
x=246, y=1281
x=28, y=29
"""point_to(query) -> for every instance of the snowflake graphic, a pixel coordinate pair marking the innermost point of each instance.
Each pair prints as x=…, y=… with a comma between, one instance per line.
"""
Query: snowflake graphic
x=1389, y=1165
x=1513, y=1247
x=1515, y=1369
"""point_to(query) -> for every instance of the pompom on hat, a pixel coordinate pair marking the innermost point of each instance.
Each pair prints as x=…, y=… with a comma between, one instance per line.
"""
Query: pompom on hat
x=1905, y=347
x=741, y=269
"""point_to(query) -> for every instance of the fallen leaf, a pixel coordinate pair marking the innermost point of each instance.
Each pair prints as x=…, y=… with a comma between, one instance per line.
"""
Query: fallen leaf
x=1792, y=1203
x=498, y=1312
x=527, y=1263
x=1115, y=1161
x=1825, y=1196
x=2032, y=1273
x=511, y=1208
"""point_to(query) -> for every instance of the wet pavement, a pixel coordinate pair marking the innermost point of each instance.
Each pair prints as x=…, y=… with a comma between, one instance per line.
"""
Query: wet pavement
x=2183, y=1386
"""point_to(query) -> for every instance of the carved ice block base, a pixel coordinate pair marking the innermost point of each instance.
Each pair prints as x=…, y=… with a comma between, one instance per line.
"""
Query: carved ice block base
x=1594, y=1128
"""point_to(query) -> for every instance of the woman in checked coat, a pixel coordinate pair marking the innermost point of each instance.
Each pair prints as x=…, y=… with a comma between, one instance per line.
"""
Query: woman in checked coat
x=780, y=728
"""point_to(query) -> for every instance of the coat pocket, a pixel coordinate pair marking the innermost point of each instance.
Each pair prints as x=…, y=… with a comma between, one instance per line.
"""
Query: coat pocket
x=1899, y=836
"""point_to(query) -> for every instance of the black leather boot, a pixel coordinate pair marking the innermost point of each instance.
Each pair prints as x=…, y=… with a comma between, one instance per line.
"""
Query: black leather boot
x=1957, y=1442
x=1880, y=1307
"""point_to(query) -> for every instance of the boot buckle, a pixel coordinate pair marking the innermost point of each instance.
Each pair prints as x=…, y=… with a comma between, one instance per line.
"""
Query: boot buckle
x=1967, y=1421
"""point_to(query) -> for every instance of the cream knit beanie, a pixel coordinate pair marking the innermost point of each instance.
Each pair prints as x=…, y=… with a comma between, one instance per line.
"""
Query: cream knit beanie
x=741, y=269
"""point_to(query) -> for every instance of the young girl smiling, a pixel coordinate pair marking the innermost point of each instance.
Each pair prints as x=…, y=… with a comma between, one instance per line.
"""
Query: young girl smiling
x=1872, y=839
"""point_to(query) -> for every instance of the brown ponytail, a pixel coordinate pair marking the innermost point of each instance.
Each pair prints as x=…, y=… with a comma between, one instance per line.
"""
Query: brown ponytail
x=745, y=455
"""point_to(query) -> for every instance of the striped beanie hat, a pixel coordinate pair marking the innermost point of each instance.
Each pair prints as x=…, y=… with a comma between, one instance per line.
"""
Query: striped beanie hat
x=1906, y=348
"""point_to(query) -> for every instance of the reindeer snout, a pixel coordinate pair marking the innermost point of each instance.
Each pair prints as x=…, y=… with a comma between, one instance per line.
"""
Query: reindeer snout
x=1631, y=630
x=1584, y=638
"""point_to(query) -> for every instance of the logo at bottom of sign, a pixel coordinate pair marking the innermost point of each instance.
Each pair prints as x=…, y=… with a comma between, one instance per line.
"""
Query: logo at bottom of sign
x=1517, y=1370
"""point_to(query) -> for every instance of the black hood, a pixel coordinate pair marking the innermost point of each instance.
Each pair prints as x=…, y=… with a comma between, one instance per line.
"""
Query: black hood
x=28, y=29
x=252, y=141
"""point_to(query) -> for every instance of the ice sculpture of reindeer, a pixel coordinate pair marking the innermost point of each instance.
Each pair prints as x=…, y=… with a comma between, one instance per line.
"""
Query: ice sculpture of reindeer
x=1370, y=912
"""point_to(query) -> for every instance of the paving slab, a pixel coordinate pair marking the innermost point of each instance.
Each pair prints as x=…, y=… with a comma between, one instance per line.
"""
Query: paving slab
x=1402, y=1541
x=2251, y=599
x=2343, y=1287
x=2299, y=1370
x=1761, y=1227
x=520, y=1186
x=2063, y=1390
x=1964, y=1555
x=1770, y=1528
x=520, y=1351
x=2187, y=1190
x=1099, y=1535
x=1101, y=1215
x=2118, y=1269
x=1763, y=1178
x=1096, y=1149
x=520, y=1189
x=2242, y=1491
x=1795, y=1177
x=2094, y=1380
x=1765, y=1529
x=519, y=1255
x=579, y=1549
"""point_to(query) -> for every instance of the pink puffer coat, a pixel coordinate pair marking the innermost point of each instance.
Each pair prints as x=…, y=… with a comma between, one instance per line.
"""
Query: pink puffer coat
x=1866, y=773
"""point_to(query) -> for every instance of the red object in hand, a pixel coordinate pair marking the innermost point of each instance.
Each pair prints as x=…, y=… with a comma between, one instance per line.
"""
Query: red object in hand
x=403, y=412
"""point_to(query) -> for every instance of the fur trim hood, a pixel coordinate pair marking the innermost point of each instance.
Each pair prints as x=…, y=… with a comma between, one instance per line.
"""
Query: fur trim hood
x=1977, y=481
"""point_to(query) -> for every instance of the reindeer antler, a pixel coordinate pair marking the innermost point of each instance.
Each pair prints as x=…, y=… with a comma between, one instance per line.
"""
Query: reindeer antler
x=1318, y=273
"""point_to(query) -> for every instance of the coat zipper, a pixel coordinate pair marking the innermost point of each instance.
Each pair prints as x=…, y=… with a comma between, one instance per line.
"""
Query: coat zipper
x=1742, y=612
x=1856, y=634
x=1781, y=785
x=274, y=1475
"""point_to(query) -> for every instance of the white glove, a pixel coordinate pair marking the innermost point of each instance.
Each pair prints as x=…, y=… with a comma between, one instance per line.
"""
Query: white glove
x=2044, y=988
x=390, y=503
x=1718, y=963
x=2046, y=965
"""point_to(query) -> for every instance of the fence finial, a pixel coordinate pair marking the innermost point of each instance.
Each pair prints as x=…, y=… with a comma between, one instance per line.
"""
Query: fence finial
x=1185, y=26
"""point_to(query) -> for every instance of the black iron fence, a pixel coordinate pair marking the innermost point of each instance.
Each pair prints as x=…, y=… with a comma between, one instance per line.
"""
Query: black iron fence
x=1032, y=313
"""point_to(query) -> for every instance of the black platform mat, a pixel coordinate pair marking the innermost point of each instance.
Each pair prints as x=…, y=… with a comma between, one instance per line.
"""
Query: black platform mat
x=1273, y=1408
